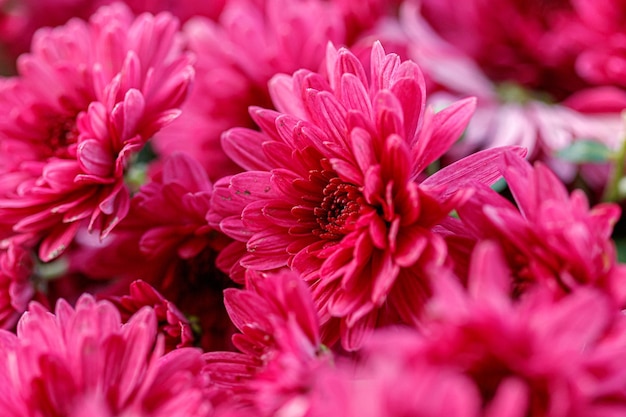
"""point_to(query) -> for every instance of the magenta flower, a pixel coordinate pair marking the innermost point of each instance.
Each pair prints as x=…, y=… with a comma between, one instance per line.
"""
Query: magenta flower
x=280, y=348
x=16, y=289
x=534, y=356
x=333, y=189
x=480, y=353
x=19, y=20
x=167, y=229
x=84, y=361
x=170, y=321
x=87, y=98
x=554, y=239
x=605, y=62
x=390, y=380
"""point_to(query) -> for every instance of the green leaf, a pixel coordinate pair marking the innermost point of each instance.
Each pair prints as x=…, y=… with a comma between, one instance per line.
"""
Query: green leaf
x=585, y=151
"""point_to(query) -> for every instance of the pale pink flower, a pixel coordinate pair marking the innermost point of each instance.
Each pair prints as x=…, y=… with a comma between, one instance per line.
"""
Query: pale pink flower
x=236, y=56
x=533, y=66
x=280, y=351
x=333, y=189
x=87, y=98
x=83, y=361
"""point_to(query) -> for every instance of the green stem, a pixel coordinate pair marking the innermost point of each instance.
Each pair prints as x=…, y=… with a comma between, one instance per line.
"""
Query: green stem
x=612, y=192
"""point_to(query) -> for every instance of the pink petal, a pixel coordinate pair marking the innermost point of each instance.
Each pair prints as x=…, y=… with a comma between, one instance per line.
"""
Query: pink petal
x=328, y=114
x=412, y=97
x=388, y=114
x=575, y=322
x=281, y=89
x=510, y=400
x=96, y=158
x=361, y=145
x=354, y=96
x=181, y=168
x=448, y=125
x=395, y=160
x=246, y=309
x=347, y=171
x=482, y=167
x=355, y=336
x=384, y=272
x=410, y=245
x=57, y=241
x=382, y=67
x=490, y=277
x=347, y=63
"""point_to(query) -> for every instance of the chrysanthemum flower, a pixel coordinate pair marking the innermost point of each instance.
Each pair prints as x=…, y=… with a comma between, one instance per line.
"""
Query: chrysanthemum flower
x=554, y=239
x=171, y=322
x=84, y=361
x=398, y=384
x=480, y=353
x=534, y=356
x=236, y=56
x=167, y=230
x=279, y=346
x=87, y=97
x=19, y=20
x=539, y=69
x=333, y=188
x=16, y=289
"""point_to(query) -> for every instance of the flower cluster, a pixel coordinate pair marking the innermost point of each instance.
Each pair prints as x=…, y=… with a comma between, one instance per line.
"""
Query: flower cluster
x=310, y=208
x=546, y=74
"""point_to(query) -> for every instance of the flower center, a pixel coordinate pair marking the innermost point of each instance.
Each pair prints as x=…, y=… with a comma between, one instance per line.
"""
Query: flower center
x=339, y=210
x=61, y=134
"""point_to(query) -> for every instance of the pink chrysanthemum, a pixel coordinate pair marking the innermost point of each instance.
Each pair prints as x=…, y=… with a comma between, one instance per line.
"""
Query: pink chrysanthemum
x=19, y=20
x=333, y=188
x=167, y=230
x=481, y=354
x=16, y=289
x=171, y=322
x=87, y=97
x=554, y=239
x=251, y=42
x=390, y=380
x=279, y=344
x=530, y=357
x=84, y=361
